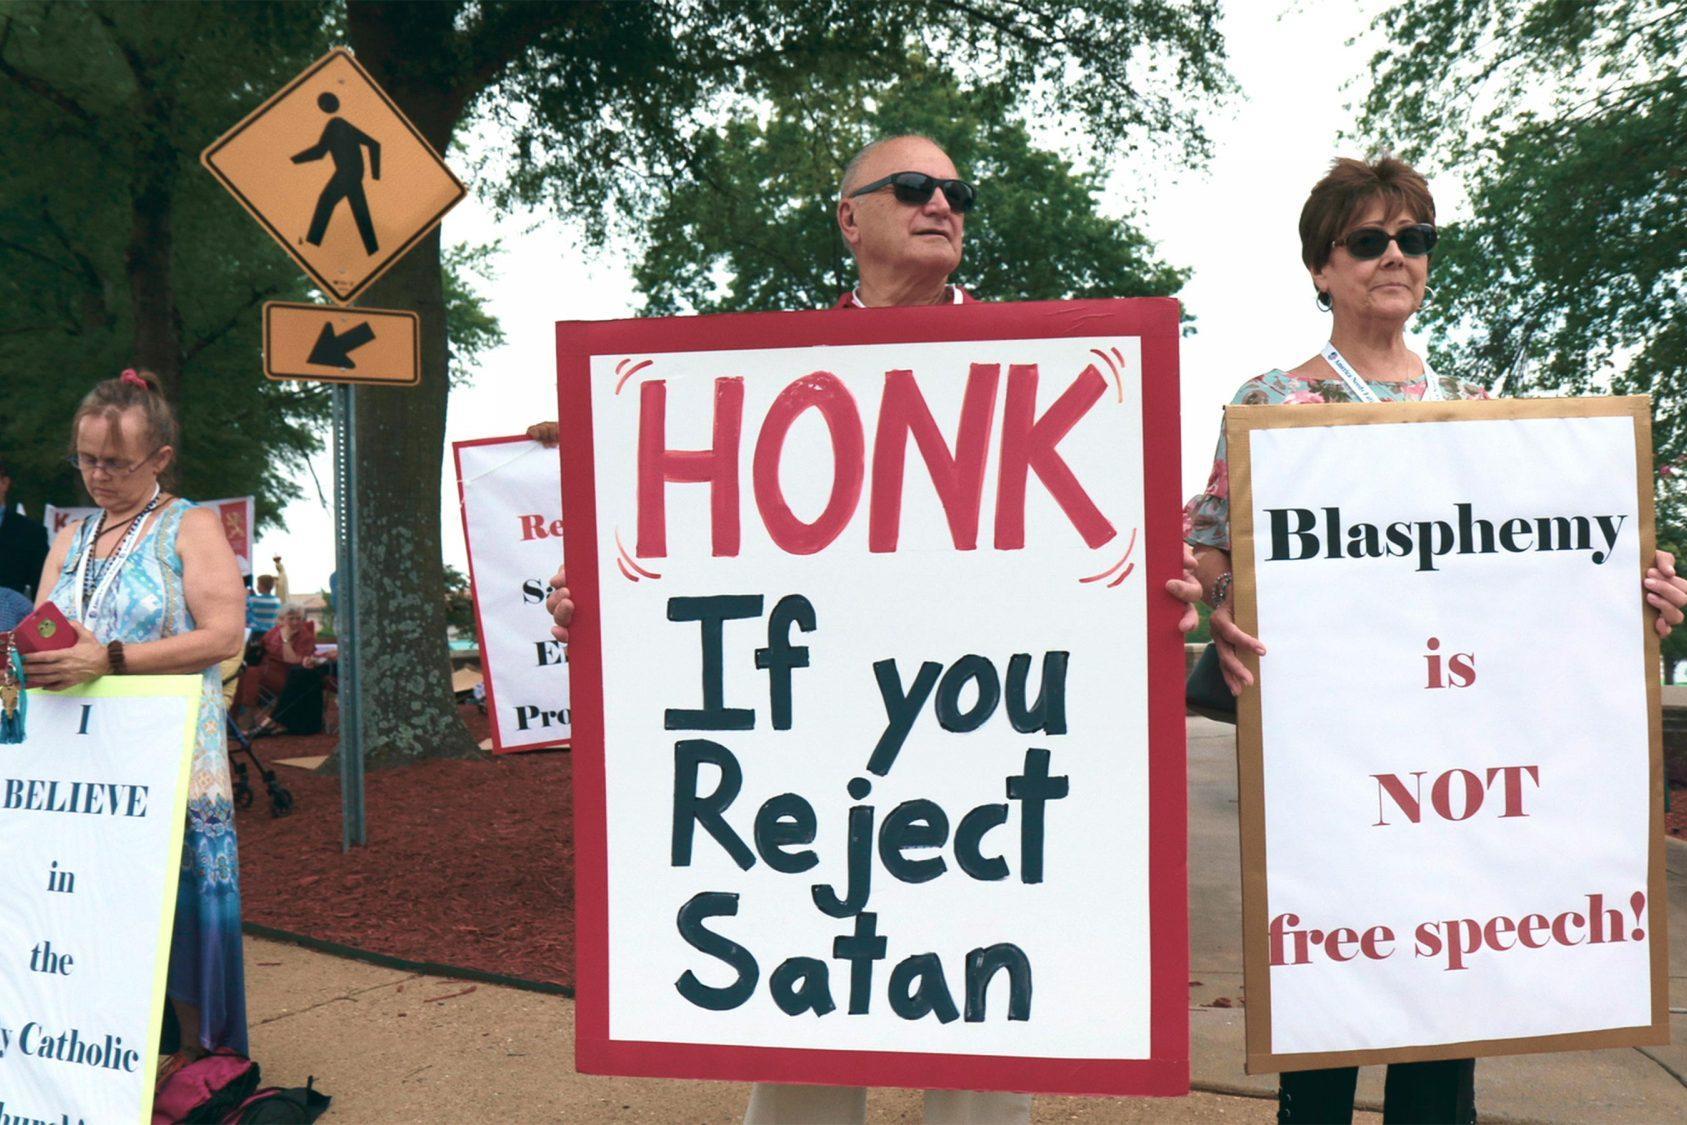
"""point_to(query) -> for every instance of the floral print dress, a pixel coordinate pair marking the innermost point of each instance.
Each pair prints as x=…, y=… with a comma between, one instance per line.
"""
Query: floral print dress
x=148, y=603
x=1206, y=518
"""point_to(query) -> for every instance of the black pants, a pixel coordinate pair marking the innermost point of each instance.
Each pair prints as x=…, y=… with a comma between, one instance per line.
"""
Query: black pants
x=299, y=706
x=1426, y=1093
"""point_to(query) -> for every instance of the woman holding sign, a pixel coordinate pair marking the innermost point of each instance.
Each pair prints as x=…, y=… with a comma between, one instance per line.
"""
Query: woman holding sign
x=1367, y=232
x=153, y=588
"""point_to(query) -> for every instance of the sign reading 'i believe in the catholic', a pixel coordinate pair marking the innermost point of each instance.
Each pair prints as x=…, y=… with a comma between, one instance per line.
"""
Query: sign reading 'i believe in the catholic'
x=93, y=804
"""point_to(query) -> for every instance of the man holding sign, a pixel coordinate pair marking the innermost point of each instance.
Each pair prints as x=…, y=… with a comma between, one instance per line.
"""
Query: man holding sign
x=905, y=257
x=902, y=212
x=904, y=253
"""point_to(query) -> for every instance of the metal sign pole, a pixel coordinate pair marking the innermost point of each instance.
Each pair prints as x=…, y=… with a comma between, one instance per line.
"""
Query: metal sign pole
x=345, y=618
x=318, y=342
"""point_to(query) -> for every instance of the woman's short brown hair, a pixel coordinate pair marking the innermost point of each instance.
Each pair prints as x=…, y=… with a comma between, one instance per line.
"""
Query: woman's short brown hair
x=1348, y=188
x=135, y=389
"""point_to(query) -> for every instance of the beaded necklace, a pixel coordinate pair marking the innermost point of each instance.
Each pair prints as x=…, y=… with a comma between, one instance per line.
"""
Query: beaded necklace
x=91, y=594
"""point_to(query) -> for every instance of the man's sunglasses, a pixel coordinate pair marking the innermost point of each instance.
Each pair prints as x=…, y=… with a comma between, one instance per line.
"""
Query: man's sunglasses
x=916, y=188
x=1367, y=243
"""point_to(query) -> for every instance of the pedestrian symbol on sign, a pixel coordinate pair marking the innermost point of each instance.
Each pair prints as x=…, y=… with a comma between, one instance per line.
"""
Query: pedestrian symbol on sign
x=328, y=153
x=343, y=143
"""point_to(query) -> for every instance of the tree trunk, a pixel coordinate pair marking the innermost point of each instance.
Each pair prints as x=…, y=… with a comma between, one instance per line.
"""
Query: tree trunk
x=408, y=708
x=148, y=262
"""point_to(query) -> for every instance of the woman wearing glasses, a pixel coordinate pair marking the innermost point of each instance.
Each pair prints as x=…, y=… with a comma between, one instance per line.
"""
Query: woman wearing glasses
x=1366, y=232
x=153, y=589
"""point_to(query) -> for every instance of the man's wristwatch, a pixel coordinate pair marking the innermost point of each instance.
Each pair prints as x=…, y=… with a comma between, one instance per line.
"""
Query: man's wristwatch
x=114, y=657
x=1221, y=590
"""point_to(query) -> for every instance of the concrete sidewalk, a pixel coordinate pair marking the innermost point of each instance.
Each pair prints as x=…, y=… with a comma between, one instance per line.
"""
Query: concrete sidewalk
x=391, y=1046
x=394, y=1046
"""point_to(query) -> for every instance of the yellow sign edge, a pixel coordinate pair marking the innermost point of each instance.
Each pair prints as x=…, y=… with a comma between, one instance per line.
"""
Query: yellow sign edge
x=189, y=689
x=415, y=379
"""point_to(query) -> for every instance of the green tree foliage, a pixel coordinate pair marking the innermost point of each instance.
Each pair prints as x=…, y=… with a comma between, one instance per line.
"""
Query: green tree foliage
x=114, y=249
x=1566, y=120
x=753, y=225
x=613, y=104
x=470, y=327
x=459, y=603
x=608, y=105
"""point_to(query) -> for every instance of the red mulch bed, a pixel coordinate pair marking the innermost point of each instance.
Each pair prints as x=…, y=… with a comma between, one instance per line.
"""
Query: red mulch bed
x=469, y=863
x=1675, y=820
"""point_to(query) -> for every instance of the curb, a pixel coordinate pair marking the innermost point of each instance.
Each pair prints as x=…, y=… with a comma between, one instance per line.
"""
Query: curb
x=387, y=961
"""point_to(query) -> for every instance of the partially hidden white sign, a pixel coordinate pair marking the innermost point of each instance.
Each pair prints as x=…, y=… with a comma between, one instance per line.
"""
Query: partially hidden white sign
x=92, y=809
x=1456, y=820
x=234, y=513
x=511, y=492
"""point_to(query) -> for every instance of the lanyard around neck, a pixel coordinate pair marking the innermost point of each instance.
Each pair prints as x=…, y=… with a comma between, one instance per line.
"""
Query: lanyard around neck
x=88, y=604
x=1361, y=390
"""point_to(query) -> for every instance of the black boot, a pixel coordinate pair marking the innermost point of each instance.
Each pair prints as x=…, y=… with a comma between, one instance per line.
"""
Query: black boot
x=1317, y=1097
x=1442, y=1092
x=170, y=1038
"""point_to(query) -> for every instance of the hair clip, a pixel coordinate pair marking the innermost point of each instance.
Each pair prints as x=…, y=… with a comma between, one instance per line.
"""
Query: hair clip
x=130, y=376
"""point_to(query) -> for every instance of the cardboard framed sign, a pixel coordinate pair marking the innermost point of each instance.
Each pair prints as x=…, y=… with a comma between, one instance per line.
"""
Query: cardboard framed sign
x=878, y=729
x=1451, y=783
x=93, y=804
x=510, y=493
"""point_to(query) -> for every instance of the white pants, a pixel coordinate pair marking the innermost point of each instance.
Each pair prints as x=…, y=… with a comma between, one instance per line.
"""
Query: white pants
x=773, y=1103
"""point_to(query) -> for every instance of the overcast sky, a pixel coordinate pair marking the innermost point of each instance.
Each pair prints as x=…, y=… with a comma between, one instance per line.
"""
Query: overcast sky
x=1233, y=223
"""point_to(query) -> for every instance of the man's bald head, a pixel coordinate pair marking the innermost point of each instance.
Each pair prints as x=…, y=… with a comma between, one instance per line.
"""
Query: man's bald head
x=905, y=251
x=852, y=177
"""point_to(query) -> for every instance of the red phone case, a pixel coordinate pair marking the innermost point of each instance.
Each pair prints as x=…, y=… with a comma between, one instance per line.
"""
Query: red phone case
x=44, y=630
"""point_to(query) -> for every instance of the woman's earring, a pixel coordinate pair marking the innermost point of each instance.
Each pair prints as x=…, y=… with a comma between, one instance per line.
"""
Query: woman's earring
x=1428, y=291
x=1324, y=300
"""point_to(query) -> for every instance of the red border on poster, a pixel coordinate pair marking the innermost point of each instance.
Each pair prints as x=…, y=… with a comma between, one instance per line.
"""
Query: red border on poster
x=1155, y=321
x=474, y=587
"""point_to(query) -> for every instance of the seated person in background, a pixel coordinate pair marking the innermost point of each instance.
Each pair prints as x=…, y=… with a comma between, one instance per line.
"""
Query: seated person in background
x=263, y=607
x=292, y=670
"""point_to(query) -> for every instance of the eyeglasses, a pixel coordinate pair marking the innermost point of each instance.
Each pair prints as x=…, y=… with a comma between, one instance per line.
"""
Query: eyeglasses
x=1367, y=243
x=916, y=188
x=85, y=464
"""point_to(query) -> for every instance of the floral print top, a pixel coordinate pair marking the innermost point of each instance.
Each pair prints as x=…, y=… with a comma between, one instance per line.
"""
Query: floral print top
x=1206, y=518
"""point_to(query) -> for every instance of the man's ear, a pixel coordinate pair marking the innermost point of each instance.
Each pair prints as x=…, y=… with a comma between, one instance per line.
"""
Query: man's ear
x=846, y=222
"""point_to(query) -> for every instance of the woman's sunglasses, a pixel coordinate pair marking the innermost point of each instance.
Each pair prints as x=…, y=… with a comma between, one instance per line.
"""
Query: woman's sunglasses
x=1368, y=243
x=916, y=188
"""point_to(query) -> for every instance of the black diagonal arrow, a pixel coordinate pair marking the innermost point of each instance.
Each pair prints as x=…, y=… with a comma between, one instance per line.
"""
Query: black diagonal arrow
x=335, y=351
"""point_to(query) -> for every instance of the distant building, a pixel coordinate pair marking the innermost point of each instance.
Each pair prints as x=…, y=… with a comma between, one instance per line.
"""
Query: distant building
x=315, y=607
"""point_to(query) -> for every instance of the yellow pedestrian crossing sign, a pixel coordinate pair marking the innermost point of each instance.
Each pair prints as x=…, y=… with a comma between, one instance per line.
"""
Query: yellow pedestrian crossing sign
x=336, y=174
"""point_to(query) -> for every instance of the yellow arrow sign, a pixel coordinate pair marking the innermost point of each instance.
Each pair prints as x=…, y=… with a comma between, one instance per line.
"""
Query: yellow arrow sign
x=318, y=343
x=336, y=174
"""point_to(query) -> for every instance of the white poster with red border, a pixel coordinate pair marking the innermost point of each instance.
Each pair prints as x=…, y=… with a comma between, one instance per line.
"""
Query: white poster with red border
x=235, y=515
x=879, y=757
x=510, y=492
